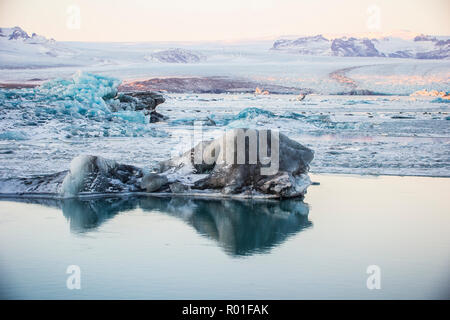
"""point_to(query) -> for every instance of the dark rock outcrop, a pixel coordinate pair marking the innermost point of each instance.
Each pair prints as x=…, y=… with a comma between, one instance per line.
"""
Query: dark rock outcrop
x=141, y=100
x=146, y=101
x=156, y=117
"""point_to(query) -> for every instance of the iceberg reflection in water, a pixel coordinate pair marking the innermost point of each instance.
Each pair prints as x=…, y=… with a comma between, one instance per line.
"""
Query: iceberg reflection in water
x=240, y=227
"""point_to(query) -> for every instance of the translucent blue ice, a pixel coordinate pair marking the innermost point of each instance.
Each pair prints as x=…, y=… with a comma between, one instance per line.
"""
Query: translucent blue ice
x=440, y=100
x=13, y=135
x=83, y=105
x=84, y=90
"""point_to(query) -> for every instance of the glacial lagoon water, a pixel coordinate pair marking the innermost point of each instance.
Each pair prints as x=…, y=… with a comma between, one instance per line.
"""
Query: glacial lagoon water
x=42, y=129
x=181, y=248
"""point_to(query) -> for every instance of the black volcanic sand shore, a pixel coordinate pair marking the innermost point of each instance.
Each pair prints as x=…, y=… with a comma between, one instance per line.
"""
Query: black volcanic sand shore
x=18, y=85
x=208, y=85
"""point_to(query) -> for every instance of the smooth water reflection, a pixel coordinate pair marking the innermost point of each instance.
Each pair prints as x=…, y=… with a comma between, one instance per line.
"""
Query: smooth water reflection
x=240, y=227
x=180, y=248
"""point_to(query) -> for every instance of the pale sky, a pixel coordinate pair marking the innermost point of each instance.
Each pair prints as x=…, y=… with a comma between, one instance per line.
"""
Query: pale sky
x=196, y=20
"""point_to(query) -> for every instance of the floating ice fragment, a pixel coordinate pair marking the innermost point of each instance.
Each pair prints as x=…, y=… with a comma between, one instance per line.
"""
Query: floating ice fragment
x=13, y=135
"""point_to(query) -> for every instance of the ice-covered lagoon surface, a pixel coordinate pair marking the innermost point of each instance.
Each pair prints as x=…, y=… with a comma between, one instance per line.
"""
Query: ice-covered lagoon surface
x=43, y=129
x=180, y=248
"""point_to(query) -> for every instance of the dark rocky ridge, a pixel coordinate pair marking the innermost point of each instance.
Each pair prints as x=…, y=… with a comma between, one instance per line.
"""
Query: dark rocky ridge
x=207, y=85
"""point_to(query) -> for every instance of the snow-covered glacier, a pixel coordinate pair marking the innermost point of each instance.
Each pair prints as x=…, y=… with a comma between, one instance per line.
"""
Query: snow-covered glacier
x=389, y=64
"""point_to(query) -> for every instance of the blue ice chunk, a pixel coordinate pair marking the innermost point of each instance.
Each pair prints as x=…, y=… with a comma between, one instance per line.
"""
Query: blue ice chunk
x=13, y=135
x=132, y=116
x=353, y=102
x=79, y=106
x=252, y=112
x=85, y=90
x=440, y=100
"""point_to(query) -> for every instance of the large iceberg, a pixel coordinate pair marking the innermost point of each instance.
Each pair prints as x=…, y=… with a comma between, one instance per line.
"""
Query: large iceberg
x=232, y=165
x=244, y=163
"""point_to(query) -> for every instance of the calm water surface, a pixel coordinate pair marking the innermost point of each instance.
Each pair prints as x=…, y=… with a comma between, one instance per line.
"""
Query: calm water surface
x=179, y=248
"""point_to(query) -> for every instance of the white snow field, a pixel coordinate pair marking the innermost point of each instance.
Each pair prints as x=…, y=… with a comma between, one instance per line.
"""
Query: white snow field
x=33, y=59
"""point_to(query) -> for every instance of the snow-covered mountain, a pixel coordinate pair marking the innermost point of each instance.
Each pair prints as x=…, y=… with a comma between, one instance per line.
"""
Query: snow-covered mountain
x=353, y=47
x=176, y=55
x=20, y=50
x=18, y=34
x=13, y=33
x=317, y=45
x=16, y=44
x=420, y=47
